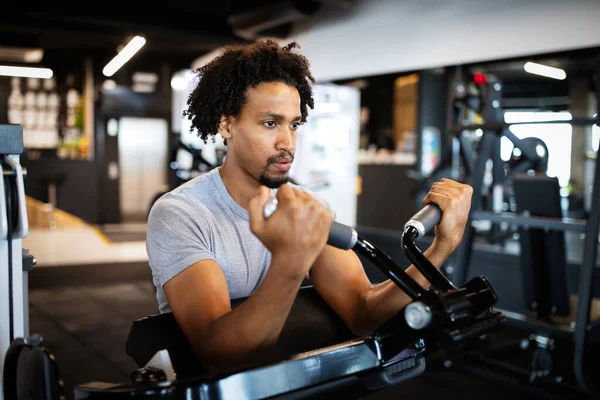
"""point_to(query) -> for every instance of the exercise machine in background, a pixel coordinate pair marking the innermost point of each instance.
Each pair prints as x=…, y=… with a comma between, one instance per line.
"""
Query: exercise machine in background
x=23, y=358
x=476, y=125
x=556, y=320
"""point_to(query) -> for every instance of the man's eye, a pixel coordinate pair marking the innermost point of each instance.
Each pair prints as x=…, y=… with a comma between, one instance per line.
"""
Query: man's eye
x=269, y=124
x=296, y=125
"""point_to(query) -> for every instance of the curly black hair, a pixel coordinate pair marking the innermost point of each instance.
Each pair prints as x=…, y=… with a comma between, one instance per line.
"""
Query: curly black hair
x=223, y=82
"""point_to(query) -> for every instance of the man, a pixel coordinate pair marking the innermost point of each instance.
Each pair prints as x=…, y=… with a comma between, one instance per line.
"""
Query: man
x=208, y=241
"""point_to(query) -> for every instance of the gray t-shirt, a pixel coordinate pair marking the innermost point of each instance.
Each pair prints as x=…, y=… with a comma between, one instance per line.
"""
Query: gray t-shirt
x=197, y=221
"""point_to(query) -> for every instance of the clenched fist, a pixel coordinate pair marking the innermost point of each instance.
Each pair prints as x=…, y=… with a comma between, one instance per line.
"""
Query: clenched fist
x=454, y=199
x=297, y=231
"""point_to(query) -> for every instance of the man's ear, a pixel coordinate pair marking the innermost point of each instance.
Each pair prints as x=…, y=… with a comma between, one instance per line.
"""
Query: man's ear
x=225, y=127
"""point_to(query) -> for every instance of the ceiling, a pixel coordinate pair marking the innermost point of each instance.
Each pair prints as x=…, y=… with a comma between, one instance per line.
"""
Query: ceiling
x=582, y=62
x=523, y=89
x=178, y=32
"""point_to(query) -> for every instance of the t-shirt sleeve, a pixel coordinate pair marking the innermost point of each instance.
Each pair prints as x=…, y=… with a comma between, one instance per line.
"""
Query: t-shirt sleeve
x=178, y=235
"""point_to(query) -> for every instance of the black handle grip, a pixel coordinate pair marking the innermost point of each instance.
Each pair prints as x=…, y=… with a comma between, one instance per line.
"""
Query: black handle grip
x=342, y=236
x=424, y=221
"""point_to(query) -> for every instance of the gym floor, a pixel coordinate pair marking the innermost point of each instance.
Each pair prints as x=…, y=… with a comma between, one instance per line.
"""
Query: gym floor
x=84, y=313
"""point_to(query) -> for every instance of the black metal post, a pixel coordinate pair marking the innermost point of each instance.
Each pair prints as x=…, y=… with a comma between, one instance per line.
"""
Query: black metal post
x=586, y=274
x=467, y=153
x=498, y=180
x=462, y=255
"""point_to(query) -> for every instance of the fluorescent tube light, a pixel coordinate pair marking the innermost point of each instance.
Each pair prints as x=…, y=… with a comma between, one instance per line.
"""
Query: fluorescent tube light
x=21, y=54
x=26, y=72
x=124, y=55
x=544, y=70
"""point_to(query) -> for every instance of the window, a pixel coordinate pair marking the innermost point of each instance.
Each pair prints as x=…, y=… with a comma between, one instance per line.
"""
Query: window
x=556, y=136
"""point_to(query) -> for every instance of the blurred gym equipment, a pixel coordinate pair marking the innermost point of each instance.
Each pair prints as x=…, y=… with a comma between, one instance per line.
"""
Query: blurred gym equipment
x=477, y=127
x=556, y=320
x=27, y=368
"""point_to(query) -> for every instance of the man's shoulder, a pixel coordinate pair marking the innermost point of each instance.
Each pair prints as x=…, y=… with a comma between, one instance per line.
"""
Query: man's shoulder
x=191, y=197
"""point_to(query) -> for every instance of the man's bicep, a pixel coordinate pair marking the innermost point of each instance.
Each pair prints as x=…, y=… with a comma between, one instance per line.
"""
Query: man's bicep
x=339, y=277
x=198, y=296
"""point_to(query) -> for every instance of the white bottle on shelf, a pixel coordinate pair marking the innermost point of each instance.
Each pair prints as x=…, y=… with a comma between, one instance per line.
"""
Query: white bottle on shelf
x=41, y=102
x=52, y=109
x=16, y=102
x=72, y=99
x=30, y=135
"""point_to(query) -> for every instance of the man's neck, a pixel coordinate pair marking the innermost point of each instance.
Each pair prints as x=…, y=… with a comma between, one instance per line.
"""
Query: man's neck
x=241, y=186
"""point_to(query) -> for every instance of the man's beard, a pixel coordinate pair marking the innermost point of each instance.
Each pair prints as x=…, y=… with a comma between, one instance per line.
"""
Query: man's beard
x=275, y=182
x=271, y=182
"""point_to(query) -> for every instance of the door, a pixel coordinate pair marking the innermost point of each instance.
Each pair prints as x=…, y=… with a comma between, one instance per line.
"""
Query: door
x=143, y=152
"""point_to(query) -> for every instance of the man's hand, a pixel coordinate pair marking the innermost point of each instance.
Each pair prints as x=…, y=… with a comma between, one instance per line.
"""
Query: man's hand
x=454, y=199
x=296, y=232
x=364, y=306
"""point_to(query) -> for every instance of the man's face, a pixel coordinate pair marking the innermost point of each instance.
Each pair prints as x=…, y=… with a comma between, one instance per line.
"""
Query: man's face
x=263, y=137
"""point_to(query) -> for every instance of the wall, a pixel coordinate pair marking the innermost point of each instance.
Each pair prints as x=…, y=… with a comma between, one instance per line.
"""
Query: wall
x=77, y=192
x=383, y=36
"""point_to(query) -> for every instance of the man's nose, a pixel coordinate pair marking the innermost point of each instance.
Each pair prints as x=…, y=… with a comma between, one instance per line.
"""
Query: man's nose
x=286, y=140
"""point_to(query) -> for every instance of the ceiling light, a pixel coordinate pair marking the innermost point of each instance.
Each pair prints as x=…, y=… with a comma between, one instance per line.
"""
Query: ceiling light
x=26, y=72
x=178, y=83
x=124, y=55
x=544, y=70
x=21, y=54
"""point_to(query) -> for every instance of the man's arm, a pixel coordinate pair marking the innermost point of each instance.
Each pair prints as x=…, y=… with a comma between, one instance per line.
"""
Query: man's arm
x=340, y=279
x=225, y=339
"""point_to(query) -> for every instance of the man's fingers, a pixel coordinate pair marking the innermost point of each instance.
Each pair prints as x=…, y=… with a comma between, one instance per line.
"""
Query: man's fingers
x=285, y=193
x=256, y=209
x=452, y=189
x=442, y=200
x=449, y=191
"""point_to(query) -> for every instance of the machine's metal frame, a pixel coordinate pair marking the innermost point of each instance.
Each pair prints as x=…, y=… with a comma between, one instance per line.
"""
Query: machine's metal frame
x=14, y=304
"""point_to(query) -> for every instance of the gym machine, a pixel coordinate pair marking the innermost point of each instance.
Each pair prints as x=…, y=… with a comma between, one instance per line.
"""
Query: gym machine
x=541, y=225
x=474, y=99
x=321, y=358
x=15, y=264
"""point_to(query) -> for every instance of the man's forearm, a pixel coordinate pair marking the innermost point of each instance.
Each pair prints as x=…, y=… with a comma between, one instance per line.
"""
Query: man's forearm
x=386, y=299
x=239, y=338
